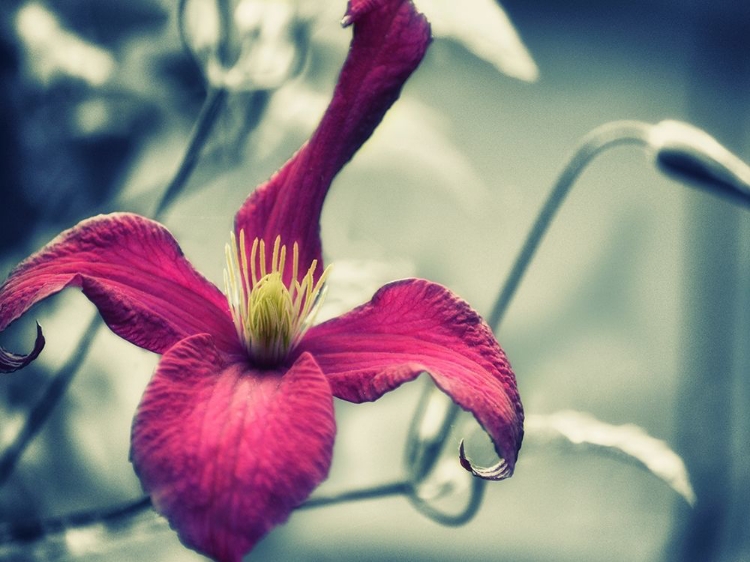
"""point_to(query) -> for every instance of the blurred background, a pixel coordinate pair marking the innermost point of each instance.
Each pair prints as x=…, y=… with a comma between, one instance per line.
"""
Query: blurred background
x=636, y=309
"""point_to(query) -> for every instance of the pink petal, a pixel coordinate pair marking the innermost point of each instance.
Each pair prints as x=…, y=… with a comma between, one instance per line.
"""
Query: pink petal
x=132, y=269
x=227, y=452
x=390, y=39
x=415, y=326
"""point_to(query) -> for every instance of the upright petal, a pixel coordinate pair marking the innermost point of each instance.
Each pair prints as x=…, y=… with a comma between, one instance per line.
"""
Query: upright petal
x=389, y=41
x=227, y=452
x=132, y=269
x=415, y=326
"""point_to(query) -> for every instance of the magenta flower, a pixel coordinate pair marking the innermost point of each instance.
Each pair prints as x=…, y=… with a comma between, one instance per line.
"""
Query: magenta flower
x=236, y=427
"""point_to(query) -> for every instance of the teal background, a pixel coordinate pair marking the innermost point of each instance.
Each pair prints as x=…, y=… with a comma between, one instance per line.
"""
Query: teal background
x=636, y=308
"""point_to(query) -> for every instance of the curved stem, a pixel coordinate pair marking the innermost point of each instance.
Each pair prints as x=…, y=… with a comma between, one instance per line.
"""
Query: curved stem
x=601, y=138
x=380, y=491
x=426, y=451
x=422, y=450
x=453, y=520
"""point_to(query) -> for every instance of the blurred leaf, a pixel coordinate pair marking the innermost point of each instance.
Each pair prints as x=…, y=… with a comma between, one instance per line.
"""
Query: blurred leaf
x=53, y=52
x=581, y=431
x=485, y=30
x=259, y=46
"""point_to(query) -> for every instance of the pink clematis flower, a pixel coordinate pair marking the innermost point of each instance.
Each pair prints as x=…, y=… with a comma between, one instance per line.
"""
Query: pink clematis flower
x=236, y=427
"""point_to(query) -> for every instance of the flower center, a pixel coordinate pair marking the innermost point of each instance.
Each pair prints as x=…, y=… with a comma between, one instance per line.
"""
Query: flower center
x=269, y=316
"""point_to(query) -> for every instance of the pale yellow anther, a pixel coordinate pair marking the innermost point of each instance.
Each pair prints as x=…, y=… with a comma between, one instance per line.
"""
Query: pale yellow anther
x=269, y=316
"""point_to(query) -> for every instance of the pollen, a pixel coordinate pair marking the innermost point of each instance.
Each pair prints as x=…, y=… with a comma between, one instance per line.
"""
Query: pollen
x=270, y=316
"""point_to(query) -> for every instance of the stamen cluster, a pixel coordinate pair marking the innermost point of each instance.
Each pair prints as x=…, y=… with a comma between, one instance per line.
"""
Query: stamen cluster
x=269, y=316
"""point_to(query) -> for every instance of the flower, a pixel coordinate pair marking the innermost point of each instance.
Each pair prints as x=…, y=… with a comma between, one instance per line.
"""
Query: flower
x=236, y=427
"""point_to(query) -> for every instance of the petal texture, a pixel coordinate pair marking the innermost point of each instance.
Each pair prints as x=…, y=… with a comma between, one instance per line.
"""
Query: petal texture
x=227, y=452
x=133, y=270
x=390, y=39
x=415, y=326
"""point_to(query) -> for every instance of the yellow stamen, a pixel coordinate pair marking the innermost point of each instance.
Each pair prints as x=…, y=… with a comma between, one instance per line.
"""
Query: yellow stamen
x=269, y=316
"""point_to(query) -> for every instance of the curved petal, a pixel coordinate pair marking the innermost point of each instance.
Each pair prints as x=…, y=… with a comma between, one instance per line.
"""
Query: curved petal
x=390, y=39
x=227, y=452
x=132, y=269
x=10, y=362
x=414, y=326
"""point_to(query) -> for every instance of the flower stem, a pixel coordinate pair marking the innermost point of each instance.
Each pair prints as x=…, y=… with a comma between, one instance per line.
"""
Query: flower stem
x=598, y=140
x=27, y=531
x=476, y=496
x=211, y=109
x=380, y=491
x=427, y=451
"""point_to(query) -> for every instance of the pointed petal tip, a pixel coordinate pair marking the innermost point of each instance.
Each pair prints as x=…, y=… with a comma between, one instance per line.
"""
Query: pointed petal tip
x=133, y=270
x=355, y=9
x=499, y=471
x=389, y=40
x=414, y=326
x=10, y=362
